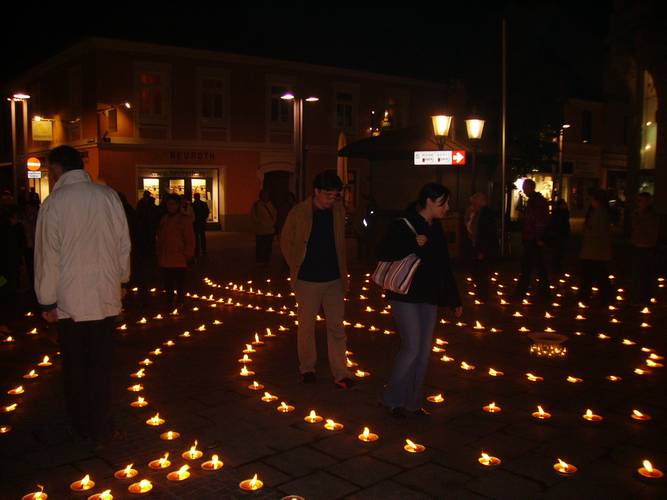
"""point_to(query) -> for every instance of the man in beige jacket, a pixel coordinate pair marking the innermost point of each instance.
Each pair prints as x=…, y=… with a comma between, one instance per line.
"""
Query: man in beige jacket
x=313, y=244
x=82, y=255
x=263, y=215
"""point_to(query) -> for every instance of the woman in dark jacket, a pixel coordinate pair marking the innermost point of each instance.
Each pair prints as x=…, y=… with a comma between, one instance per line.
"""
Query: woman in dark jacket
x=415, y=312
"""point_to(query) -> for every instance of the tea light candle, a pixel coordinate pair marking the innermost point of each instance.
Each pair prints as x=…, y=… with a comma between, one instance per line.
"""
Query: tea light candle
x=541, y=414
x=367, y=436
x=4, y=429
x=446, y=359
x=143, y=486
x=495, y=373
x=564, y=468
x=245, y=359
x=435, y=398
x=122, y=327
x=255, y=386
x=573, y=380
x=466, y=366
x=213, y=464
x=534, y=378
x=174, y=313
x=145, y=362
x=361, y=374
x=8, y=340
x=33, y=331
x=330, y=425
x=126, y=473
x=613, y=378
x=285, y=408
x=105, y=495
x=141, y=373
x=488, y=460
x=642, y=417
x=142, y=321
x=185, y=334
x=245, y=372
x=179, y=475
x=269, y=398
x=10, y=408
x=248, y=349
x=193, y=453
x=160, y=463
x=201, y=328
x=139, y=403
x=591, y=417
x=136, y=388
x=412, y=447
x=647, y=470
x=156, y=352
x=36, y=495
x=313, y=418
x=492, y=408
x=478, y=326
x=16, y=391
x=251, y=484
x=169, y=435
x=45, y=362
x=155, y=420
x=82, y=484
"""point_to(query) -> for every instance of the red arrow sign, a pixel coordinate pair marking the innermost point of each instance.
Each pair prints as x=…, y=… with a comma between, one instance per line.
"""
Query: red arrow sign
x=459, y=157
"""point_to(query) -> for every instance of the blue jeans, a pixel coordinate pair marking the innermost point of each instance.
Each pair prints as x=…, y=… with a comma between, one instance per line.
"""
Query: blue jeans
x=415, y=324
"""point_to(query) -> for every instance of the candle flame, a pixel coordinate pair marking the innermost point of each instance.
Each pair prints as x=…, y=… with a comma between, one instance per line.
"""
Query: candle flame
x=193, y=449
x=128, y=470
x=648, y=466
x=486, y=458
x=84, y=482
x=637, y=413
x=45, y=360
x=589, y=413
x=164, y=460
x=411, y=445
x=540, y=410
x=563, y=465
x=253, y=481
x=183, y=472
x=144, y=484
x=312, y=414
x=105, y=495
x=492, y=405
x=366, y=432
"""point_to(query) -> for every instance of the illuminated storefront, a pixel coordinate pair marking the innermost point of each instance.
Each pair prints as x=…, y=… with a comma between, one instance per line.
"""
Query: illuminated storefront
x=543, y=185
x=160, y=181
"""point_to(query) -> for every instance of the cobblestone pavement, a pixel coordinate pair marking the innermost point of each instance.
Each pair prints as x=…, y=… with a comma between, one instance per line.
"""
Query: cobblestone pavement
x=196, y=386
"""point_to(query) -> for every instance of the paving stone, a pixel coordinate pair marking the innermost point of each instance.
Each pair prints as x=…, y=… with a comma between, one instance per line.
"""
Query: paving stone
x=433, y=479
x=501, y=484
x=320, y=485
x=300, y=461
x=388, y=490
x=364, y=470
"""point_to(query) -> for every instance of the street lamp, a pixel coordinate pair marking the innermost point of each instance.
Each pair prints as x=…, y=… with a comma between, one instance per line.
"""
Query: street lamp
x=23, y=98
x=441, y=125
x=475, y=127
x=300, y=167
x=559, y=177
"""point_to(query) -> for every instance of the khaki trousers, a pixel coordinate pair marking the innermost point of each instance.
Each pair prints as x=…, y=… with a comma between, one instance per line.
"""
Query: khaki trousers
x=310, y=297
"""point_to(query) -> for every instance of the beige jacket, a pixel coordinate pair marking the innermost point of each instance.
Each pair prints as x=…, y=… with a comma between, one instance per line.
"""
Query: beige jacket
x=82, y=249
x=263, y=216
x=296, y=233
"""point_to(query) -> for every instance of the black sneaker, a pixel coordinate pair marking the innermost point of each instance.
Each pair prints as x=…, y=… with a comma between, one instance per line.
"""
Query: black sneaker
x=345, y=383
x=308, y=378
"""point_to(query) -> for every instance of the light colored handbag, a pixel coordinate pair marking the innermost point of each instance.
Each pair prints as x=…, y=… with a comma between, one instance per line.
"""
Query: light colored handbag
x=396, y=275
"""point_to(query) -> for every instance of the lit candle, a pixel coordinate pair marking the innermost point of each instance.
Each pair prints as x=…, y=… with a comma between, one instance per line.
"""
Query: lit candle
x=174, y=312
x=170, y=435
x=179, y=475
x=193, y=453
x=564, y=468
x=82, y=484
x=573, y=380
x=126, y=473
x=285, y=408
x=37, y=495
x=269, y=398
x=523, y=329
x=141, y=373
x=159, y=316
x=143, y=486
x=647, y=470
x=245, y=372
x=548, y=329
x=142, y=321
x=245, y=359
x=488, y=460
x=628, y=342
x=10, y=408
x=213, y=464
x=4, y=429
x=136, y=388
x=251, y=484
x=613, y=378
x=105, y=495
x=435, y=398
x=145, y=362
x=591, y=417
x=367, y=436
x=312, y=417
x=16, y=390
x=139, y=403
x=446, y=359
x=534, y=378
x=185, y=334
x=255, y=386
x=495, y=373
x=33, y=331
x=466, y=366
x=155, y=420
x=122, y=327
x=201, y=328
x=31, y=374
x=156, y=352
x=45, y=362
x=160, y=463
x=330, y=425
x=478, y=326
x=169, y=343
x=248, y=349
x=541, y=414
x=361, y=374
x=642, y=417
x=492, y=408
x=412, y=447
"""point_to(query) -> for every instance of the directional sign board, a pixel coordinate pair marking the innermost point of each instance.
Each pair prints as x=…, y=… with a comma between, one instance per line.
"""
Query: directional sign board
x=449, y=157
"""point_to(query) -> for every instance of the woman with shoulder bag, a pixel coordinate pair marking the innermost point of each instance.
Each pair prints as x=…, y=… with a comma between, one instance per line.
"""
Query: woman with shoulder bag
x=432, y=285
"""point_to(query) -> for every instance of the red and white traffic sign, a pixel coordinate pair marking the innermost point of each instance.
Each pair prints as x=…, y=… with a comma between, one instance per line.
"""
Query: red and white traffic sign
x=448, y=157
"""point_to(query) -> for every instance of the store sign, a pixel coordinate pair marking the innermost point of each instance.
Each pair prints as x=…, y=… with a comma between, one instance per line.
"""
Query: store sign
x=34, y=175
x=191, y=155
x=33, y=164
x=42, y=130
x=454, y=157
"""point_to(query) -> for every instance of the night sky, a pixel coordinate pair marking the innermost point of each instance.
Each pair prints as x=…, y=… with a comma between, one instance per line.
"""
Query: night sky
x=556, y=49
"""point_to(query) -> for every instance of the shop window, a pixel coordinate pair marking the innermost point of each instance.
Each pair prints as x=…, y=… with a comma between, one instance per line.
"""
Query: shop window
x=649, y=125
x=153, y=95
x=586, y=126
x=344, y=110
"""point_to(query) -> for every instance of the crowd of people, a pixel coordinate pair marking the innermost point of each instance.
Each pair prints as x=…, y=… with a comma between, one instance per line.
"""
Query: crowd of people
x=85, y=243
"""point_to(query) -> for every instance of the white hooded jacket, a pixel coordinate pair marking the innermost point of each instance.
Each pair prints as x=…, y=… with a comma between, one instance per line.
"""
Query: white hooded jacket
x=82, y=249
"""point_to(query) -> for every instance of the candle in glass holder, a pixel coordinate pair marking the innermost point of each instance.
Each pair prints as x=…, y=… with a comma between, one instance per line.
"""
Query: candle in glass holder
x=412, y=447
x=269, y=398
x=193, y=453
x=169, y=435
x=591, y=417
x=143, y=486
x=214, y=464
x=255, y=386
x=330, y=425
x=139, y=403
x=367, y=436
x=312, y=417
x=126, y=473
x=564, y=468
x=541, y=414
x=251, y=484
x=82, y=484
x=488, y=460
x=642, y=417
x=647, y=470
x=155, y=420
x=36, y=495
x=179, y=475
x=285, y=408
x=160, y=463
x=492, y=408
x=435, y=398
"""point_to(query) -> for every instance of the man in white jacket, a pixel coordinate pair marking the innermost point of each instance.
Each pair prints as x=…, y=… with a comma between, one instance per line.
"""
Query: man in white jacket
x=82, y=256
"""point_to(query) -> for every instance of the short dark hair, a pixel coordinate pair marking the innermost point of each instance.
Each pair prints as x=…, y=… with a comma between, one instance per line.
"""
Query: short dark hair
x=328, y=180
x=432, y=191
x=67, y=157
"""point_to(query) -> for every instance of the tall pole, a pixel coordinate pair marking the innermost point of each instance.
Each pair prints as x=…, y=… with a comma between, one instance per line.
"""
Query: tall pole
x=298, y=149
x=559, y=175
x=15, y=173
x=503, y=146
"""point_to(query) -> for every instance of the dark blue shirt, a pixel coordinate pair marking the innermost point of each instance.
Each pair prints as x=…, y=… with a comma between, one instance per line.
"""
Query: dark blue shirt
x=321, y=262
